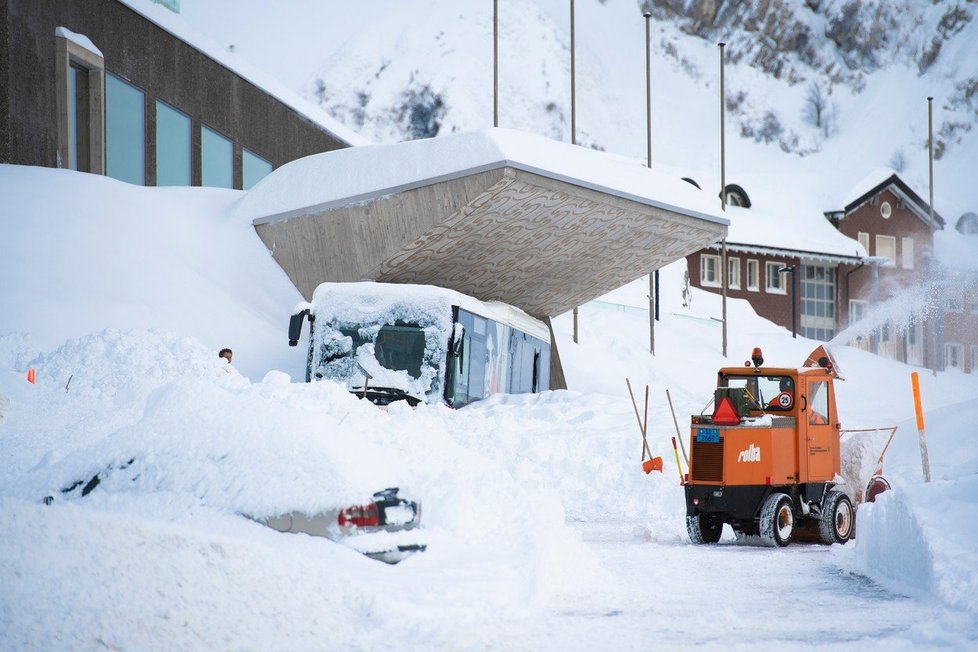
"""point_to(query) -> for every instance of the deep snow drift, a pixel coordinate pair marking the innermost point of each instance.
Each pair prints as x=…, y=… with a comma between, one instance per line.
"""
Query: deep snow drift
x=185, y=445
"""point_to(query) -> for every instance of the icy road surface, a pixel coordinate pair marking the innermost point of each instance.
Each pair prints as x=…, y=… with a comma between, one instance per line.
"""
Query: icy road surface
x=731, y=596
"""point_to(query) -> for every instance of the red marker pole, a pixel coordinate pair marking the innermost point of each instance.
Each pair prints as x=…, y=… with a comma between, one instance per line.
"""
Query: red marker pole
x=924, y=461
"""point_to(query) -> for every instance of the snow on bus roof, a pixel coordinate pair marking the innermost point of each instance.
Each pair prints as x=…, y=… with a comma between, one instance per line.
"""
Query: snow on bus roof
x=364, y=300
x=347, y=176
x=178, y=27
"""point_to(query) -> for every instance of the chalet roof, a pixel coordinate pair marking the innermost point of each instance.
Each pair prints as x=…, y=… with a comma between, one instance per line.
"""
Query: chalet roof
x=806, y=234
x=177, y=26
x=886, y=178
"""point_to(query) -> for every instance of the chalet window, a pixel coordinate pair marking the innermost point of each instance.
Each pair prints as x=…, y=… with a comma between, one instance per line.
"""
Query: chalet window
x=773, y=282
x=953, y=301
x=907, y=261
x=125, y=130
x=886, y=247
x=172, y=146
x=733, y=273
x=709, y=271
x=953, y=356
x=216, y=159
x=253, y=169
x=864, y=241
x=753, y=275
x=857, y=310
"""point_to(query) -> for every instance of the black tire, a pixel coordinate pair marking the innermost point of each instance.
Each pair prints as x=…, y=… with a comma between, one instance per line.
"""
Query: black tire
x=838, y=518
x=703, y=529
x=777, y=520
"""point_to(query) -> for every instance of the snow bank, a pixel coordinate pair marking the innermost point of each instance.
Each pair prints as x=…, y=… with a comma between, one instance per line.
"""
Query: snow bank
x=81, y=253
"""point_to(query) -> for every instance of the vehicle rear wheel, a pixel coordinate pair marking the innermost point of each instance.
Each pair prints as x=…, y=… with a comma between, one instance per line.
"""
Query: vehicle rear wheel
x=703, y=528
x=838, y=517
x=777, y=520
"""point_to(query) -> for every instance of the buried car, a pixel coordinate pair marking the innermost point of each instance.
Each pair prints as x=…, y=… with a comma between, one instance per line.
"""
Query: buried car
x=386, y=529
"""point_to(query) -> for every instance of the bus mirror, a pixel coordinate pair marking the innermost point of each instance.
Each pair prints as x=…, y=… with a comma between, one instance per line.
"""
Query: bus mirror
x=295, y=327
x=458, y=339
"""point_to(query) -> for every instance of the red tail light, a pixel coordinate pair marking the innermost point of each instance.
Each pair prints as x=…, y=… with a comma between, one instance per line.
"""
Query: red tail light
x=359, y=516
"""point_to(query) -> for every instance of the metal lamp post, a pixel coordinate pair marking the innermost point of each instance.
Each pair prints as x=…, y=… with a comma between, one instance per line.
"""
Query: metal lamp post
x=794, y=299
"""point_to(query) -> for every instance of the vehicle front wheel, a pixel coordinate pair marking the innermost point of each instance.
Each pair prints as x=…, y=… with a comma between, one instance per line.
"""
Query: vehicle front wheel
x=838, y=517
x=703, y=529
x=777, y=520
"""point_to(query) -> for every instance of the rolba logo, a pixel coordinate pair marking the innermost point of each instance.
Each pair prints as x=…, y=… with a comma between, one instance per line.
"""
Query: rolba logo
x=752, y=454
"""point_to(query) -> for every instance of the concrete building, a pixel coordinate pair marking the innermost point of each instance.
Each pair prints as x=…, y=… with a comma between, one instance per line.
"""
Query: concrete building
x=101, y=86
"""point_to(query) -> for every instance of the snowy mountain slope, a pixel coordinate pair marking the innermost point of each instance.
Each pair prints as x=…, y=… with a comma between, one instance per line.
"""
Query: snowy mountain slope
x=392, y=76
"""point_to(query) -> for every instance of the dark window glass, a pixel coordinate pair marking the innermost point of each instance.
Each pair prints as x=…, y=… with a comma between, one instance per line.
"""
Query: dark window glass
x=253, y=169
x=125, y=150
x=172, y=146
x=400, y=347
x=216, y=160
x=73, y=117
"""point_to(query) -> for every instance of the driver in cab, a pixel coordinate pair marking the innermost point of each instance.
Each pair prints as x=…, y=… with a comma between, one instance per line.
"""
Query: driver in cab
x=786, y=387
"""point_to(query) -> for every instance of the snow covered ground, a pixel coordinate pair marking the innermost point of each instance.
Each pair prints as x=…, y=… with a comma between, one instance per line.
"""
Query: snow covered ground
x=543, y=532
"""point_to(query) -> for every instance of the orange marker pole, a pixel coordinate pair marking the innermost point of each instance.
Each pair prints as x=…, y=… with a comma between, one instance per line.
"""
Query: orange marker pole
x=924, y=461
x=678, y=466
x=32, y=375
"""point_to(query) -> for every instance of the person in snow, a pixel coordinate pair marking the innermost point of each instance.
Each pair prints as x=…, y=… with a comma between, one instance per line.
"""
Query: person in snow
x=226, y=354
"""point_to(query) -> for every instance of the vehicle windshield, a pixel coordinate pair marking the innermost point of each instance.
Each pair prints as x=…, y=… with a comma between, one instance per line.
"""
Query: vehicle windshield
x=768, y=393
x=394, y=355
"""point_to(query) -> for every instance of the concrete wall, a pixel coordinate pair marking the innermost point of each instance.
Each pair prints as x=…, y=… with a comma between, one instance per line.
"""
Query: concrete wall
x=150, y=58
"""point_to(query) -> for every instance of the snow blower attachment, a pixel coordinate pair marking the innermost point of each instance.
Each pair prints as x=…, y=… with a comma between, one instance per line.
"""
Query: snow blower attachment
x=385, y=529
x=766, y=461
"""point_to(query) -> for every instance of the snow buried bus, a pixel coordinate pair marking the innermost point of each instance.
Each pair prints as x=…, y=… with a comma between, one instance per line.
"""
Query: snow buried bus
x=421, y=343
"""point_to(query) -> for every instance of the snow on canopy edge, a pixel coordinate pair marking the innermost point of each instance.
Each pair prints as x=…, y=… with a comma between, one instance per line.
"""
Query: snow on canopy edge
x=175, y=25
x=389, y=294
x=344, y=177
x=80, y=40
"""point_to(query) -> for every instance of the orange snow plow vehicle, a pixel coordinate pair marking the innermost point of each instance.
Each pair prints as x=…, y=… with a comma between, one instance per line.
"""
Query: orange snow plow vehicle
x=767, y=460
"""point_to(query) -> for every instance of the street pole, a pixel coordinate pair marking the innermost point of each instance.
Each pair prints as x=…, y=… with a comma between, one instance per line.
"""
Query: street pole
x=495, y=63
x=573, y=79
x=653, y=278
x=790, y=269
x=723, y=204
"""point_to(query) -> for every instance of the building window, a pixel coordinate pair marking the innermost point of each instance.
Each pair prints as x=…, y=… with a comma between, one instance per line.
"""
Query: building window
x=886, y=210
x=80, y=81
x=253, y=169
x=172, y=146
x=907, y=260
x=864, y=241
x=886, y=332
x=886, y=247
x=857, y=310
x=753, y=275
x=953, y=301
x=817, y=296
x=953, y=356
x=773, y=282
x=216, y=159
x=733, y=273
x=125, y=147
x=709, y=271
